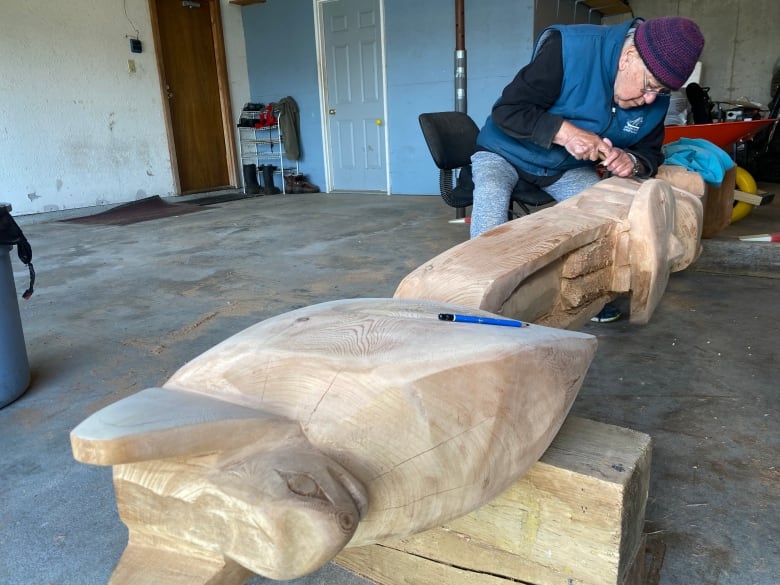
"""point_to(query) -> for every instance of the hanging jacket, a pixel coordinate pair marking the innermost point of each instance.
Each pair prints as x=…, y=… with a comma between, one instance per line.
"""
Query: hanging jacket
x=589, y=60
x=289, y=126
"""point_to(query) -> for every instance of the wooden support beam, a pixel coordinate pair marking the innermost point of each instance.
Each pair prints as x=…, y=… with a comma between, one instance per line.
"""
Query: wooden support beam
x=761, y=198
x=718, y=200
x=575, y=518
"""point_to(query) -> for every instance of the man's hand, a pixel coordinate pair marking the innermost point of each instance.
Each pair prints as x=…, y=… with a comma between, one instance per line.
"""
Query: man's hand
x=618, y=162
x=581, y=144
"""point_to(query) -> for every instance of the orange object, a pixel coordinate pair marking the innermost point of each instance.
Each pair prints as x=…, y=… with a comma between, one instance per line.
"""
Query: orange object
x=722, y=134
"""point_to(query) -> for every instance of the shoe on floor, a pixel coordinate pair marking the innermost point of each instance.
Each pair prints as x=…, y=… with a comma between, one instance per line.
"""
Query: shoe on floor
x=608, y=314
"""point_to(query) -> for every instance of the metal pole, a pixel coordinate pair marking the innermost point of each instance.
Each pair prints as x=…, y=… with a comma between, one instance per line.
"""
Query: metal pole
x=461, y=102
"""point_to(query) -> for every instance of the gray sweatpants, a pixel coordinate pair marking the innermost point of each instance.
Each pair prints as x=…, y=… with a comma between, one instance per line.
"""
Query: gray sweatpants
x=495, y=179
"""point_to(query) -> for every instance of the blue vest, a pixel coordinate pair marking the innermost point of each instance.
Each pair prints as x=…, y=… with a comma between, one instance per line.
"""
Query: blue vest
x=590, y=63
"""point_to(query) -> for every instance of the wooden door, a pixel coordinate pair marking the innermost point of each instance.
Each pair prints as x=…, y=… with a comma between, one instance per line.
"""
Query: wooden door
x=191, y=56
x=355, y=94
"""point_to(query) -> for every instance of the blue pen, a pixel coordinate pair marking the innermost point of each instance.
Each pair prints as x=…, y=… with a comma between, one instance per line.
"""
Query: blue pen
x=482, y=320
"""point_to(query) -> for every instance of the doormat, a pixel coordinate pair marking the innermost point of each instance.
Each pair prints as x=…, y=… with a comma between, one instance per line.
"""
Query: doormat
x=137, y=211
x=212, y=199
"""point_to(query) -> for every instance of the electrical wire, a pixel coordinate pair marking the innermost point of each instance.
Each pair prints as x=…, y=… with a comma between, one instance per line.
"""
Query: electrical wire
x=130, y=21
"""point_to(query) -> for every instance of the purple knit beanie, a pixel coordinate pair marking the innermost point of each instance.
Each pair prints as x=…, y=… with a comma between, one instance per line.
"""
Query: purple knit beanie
x=670, y=47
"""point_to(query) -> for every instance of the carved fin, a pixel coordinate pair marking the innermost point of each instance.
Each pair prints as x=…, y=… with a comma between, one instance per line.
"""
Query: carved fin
x=141, y=565
x=157, y=423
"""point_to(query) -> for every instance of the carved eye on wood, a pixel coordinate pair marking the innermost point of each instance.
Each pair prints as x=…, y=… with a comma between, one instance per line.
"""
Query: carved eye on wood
x=303, y=485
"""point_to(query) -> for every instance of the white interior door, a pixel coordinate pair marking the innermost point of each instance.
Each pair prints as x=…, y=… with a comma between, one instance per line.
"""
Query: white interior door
x=354, y=94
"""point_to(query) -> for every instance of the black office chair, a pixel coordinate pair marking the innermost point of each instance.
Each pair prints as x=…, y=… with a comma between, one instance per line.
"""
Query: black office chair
x=452, y=139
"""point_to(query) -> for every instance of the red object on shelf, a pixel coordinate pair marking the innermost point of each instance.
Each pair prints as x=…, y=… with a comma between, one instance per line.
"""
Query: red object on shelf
x=266, y=119
x=722, y=134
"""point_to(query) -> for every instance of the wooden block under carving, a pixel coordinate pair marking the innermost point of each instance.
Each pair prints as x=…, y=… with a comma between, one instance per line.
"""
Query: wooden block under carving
x=718, y=199
x=718, y=205
x=575, y=518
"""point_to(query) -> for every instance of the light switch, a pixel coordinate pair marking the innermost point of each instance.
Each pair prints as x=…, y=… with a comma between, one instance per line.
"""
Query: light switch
x=131, y=65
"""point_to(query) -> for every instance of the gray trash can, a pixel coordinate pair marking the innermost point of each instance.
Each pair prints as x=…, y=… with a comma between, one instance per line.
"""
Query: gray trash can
x=14, y=367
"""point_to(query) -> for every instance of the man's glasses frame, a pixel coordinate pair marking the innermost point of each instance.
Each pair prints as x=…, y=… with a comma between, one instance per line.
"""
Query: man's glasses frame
x=655, y=91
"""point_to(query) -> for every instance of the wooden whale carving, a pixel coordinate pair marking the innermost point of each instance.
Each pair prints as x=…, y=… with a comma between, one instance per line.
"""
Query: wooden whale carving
x=351, y=422
x=332, y=426
x=558, y=266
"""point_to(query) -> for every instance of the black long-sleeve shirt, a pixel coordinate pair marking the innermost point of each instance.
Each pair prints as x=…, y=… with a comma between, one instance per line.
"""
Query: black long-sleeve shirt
x=522, y=110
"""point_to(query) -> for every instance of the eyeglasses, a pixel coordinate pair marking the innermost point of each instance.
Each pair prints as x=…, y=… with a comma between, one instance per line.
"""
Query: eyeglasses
x=655, y=91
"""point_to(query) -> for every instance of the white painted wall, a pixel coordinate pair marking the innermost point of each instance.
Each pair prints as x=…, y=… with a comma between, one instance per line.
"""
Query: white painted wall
x=77, y=127
x=235, y=50
x=741, y=46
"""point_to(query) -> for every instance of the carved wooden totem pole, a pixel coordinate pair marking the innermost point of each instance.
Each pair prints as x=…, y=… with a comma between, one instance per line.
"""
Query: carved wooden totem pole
x=349, y=422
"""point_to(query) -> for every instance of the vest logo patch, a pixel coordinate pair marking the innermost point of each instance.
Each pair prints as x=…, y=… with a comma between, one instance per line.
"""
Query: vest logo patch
x=633, y=126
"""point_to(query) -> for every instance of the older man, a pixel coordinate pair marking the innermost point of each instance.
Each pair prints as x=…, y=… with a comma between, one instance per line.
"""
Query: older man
x=590, y=95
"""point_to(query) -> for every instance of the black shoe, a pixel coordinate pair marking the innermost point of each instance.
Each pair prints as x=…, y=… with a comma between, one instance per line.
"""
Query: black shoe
x=251, y=186
x=608, y=314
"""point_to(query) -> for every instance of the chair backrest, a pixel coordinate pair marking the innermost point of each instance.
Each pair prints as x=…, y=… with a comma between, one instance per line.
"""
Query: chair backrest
x=451, y=137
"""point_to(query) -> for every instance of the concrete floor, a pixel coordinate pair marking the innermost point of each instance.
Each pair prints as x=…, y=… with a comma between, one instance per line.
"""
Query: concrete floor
x=119, y=309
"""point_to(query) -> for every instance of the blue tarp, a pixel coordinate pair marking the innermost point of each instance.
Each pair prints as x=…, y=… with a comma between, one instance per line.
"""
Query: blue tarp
x=702, y=156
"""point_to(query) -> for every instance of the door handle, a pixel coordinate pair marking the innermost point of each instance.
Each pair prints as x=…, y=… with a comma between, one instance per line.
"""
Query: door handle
x=332, y=112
